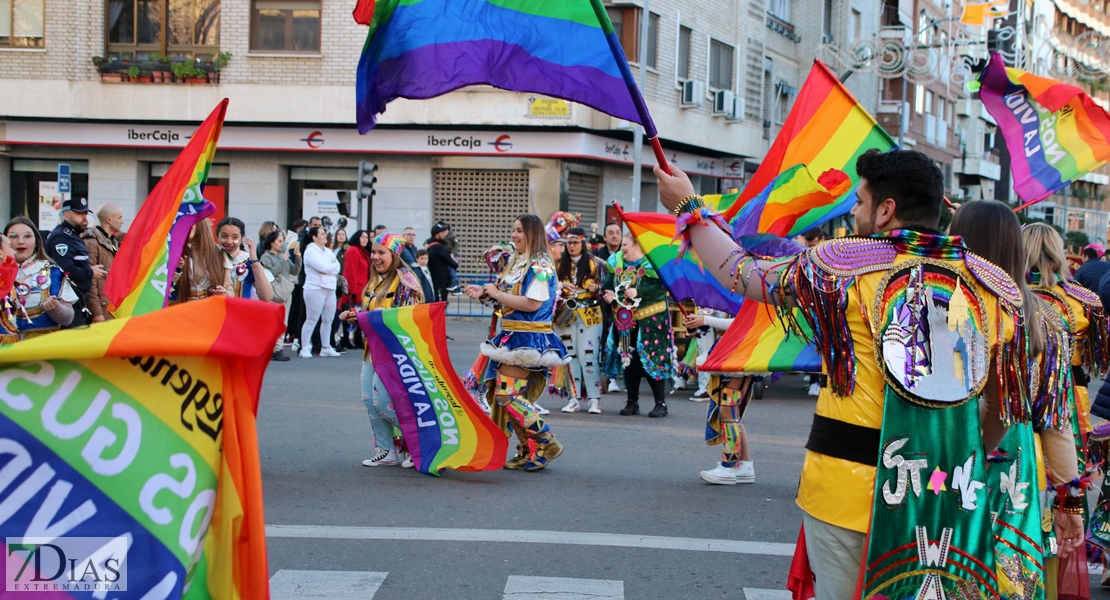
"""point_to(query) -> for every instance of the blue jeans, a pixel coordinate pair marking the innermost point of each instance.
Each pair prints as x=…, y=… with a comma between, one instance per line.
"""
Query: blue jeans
x=379, y=406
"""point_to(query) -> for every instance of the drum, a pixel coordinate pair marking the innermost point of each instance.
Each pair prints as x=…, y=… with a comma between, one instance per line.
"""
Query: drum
x=564, y=312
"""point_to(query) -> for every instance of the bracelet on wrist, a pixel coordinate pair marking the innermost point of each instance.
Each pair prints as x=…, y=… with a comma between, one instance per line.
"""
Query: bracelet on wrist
x=689, y=204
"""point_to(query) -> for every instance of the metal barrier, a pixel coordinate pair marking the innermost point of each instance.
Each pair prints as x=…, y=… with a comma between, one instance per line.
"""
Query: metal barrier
x=465, y=306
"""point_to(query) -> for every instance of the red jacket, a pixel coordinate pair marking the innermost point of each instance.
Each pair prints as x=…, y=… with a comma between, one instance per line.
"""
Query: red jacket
x=356, y=269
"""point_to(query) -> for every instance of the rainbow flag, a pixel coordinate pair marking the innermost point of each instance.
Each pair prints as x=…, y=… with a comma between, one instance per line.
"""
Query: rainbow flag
x=792, y=204
x=1055, y=133
x=141, y=431
x=826, y=129
x=443, y=425
x=139, y=281
x=566, y=49
x=757, y=343
x=684, y=277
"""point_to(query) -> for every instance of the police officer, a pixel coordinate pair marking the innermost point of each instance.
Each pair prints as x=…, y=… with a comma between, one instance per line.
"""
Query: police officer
x=66, y=248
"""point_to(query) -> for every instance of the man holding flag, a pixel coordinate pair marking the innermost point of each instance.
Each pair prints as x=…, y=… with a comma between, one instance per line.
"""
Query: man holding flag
x=904, y=390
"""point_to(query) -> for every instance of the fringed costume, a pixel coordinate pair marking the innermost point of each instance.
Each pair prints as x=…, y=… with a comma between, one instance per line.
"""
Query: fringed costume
x=578, y=324
x=909, y=324
x=724, y=422
x=525, y=340
x=22, y=317
x=641, y=341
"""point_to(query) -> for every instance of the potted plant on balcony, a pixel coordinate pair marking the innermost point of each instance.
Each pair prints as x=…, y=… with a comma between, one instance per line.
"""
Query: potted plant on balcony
x=190, y=73
x=133, y=73
x=109, y=69
x=218, y=64
x=163, y=72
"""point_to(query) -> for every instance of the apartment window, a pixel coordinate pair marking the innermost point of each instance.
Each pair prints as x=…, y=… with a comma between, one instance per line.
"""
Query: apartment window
x=854, y=25
x=285, y=26
x=919, y=99
x=928, y=103
x=143, y=29
x=720, y=65
x=827, y=22
x=653, y=41
x=683, y=67
x=780, y=9
x=22, y=23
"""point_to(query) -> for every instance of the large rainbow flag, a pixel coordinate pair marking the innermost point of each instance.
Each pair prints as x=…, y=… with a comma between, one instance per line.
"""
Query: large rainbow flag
x=757, y=343
x=139, y=281
x=826, y=129
x=421, y=49
x=792, y=204
x=1055, y=133
x=443, y=425
x=140, y=431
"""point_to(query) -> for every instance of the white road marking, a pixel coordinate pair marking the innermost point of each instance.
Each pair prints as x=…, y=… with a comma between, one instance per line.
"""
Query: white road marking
x=330, y=585
x=544, y=588
x=534, y=537
x=758, y=594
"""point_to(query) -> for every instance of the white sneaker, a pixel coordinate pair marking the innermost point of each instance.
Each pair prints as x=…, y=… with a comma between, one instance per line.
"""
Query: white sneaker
x=613, y=387
x=572, y=406
x=296, y=347
x=700, y=396
x=720, y=475
x=329, y=352
x=745, y=472
x=595, y=406
x=381, y=458
x=679, y=383
x=815, y=389
x=305, y=354
x=406, y=460
x=540, y=410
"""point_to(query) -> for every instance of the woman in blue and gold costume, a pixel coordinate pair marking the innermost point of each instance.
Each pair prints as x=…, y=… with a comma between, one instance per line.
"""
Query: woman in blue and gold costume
x=525, y=345
x=42, y=299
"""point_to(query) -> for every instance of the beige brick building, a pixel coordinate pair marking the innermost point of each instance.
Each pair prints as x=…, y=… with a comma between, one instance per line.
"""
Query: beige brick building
x=720, y=78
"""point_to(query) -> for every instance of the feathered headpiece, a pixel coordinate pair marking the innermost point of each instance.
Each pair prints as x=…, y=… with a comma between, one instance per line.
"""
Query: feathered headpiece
x=560, y=222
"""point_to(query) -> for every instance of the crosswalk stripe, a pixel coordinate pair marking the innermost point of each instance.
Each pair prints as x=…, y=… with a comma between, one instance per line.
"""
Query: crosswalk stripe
x=758, y=594
x=567, y=588
x=330, y=585
x=572, y=538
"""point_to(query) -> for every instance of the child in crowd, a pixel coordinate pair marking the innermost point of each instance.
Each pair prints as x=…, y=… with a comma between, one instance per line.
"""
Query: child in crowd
x=423, y=273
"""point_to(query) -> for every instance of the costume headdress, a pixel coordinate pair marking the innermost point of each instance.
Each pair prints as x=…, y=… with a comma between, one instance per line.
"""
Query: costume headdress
x=391, y=241
x=559, y=224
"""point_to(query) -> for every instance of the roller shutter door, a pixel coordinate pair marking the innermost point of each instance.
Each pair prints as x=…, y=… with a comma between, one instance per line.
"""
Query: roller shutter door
x=480, y=205
x=583, y=192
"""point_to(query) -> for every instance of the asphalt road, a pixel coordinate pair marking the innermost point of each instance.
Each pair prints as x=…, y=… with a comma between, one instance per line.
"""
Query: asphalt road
x=341, y=530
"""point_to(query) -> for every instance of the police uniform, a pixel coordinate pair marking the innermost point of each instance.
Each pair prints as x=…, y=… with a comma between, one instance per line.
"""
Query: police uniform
x=66, y=248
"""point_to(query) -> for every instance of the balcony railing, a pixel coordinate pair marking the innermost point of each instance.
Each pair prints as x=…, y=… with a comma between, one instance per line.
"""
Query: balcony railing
x=782, y=28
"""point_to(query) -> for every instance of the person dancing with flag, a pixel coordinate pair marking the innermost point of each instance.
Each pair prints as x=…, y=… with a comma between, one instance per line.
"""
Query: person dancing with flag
x=525, y=347
x=391, y=285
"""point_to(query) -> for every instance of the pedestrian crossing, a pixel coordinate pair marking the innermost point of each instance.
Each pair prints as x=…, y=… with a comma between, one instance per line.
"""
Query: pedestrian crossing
x=363, y=585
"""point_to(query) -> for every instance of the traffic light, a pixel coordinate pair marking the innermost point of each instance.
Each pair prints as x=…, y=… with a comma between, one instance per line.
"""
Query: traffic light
x=366, y=179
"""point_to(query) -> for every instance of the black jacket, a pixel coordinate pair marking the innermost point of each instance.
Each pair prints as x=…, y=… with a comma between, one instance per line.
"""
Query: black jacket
x=440, y=265
x=1090, y=273
x=65, y=247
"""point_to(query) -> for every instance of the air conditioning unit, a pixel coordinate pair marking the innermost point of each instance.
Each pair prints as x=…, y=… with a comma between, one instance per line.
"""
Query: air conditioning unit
x=692, y=93
x=737, y=113
x=724, y=102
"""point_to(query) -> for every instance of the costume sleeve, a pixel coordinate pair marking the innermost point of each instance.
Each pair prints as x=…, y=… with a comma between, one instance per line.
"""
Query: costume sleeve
x=718, y=323
x=539, y=286
x=61, y=287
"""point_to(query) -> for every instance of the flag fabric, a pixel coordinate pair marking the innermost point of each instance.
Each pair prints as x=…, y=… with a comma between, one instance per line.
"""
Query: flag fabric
x=683, y=277
x=826, y=129
x=139, y=281
x=566, y=49
x=792, y=204
x=757, y=343
x=979, y=14
x=444, y=427
x=143, y=430
x=1055, y=133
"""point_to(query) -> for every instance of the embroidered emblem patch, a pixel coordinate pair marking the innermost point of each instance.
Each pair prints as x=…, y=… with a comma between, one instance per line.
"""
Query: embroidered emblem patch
x=61, y=249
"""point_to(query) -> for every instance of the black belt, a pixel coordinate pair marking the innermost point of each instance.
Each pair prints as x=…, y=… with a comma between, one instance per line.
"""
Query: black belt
x=1080, y=376
x=844, y=440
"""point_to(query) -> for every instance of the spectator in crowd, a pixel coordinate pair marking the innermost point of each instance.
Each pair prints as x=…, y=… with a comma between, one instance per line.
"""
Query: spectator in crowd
x=65, y=247
x=452, y=244
x=440, y=262
x=321, y=269
x=424, y=274
x=339, y=244
x=408, y=253
x=612, y=244
x=1090, y=273
x=379, y=229
x=284, y=266
x=41, y=286
x=356, y=270
x=266, y=228
x=297, y=306
x=102, y=246
x=811, y=237
x=294, y=232
x=202, y=271
x=249, y=279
